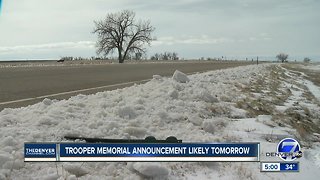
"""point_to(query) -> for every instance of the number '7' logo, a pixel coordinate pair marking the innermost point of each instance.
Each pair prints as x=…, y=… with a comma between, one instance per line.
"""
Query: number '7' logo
x=293, y=144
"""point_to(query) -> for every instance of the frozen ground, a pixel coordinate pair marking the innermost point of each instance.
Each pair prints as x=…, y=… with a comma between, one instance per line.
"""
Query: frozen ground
x=310, y=66
x=253, y=103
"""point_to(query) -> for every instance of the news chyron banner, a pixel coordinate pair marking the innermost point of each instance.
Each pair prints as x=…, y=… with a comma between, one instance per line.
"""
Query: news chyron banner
x=141, y=152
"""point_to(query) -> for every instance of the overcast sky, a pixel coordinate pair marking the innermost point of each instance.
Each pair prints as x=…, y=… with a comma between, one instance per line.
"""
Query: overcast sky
x=50, y=29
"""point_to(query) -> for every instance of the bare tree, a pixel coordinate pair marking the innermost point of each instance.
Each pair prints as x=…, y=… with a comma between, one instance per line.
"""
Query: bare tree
x=306, y=60
x=282, y=57
x=157, y=56
x=175, y=56
x=166, y=56
x=120, y=31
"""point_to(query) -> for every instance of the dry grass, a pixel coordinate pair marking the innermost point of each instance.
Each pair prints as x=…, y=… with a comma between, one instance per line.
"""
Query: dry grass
x=256, y=107
x=311, y=75
x=302, y=123
x=264, y=106
x=273, y=93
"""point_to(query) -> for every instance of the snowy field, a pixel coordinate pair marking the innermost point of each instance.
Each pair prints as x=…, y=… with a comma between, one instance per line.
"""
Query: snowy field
x=263, y=103
x=310, y=66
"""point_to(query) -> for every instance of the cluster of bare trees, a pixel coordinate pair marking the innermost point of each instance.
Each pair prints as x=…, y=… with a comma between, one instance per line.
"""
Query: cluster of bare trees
x=121, y=32
x=306, y=60
x=137, y=56
x=165, y=56
x=283, y=58
x=67, y=58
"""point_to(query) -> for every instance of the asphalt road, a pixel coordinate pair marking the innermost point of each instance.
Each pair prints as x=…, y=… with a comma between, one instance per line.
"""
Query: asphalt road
x=21, y=86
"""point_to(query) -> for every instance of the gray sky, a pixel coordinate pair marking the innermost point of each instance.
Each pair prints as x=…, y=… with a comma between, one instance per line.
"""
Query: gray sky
x=47, y=29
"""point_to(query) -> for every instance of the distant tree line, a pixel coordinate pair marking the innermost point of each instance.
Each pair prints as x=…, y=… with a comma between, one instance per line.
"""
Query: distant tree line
x=135, y=56
x=132, y=56
x=71, y=58
x=165, y=56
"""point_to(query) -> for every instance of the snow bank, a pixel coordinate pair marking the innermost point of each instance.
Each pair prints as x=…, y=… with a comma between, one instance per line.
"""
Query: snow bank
x=195, y=108
x=180, y=77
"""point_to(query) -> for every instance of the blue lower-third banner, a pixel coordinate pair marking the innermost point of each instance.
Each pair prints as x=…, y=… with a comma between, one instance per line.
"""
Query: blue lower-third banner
x=142, y=152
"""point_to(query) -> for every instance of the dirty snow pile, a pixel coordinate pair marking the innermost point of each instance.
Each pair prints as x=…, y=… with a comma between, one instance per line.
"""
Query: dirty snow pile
x=196, y=108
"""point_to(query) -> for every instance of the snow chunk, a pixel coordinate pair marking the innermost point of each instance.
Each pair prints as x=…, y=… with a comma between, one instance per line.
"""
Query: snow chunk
x=135, y=131
x=72, y=177
x=9, y=141
x=2, y=176
x=6, y=120
x=212, y=125
x=18, y=164
x=4, y=158
x=264, y=118
x=237, y=113
x=151, y=170
x=47, y=101
x=112, y=125
x=48, y=121
x=207, y=97
x=132, y=177
x=180, y=77
x=317, y=159
x=75, y=169
x=174, y=94
x=127, y=113
x=196, y=120
x=163, y=115
x=50, y=177
x=157, y=77
x=208, y=126
x=111, y=169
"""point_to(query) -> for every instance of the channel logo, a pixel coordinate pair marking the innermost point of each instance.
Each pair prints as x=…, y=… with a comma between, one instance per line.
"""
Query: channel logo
x=288, y=149
x=40, y=151
x=32, y=150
